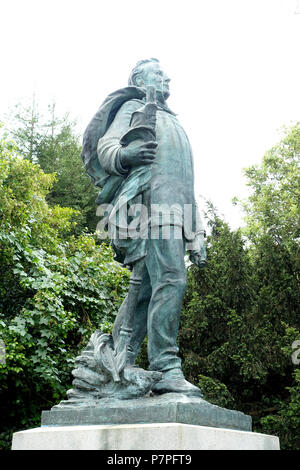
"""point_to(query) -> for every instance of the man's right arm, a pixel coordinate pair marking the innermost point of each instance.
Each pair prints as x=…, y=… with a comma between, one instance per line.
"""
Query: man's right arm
x=115, y=159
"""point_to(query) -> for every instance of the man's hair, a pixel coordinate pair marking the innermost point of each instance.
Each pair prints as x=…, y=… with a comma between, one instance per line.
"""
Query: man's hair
x=138, y=70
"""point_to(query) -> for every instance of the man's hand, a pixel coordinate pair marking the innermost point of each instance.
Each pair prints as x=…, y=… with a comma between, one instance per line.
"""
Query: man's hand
x=199, y=257
x=138, y=153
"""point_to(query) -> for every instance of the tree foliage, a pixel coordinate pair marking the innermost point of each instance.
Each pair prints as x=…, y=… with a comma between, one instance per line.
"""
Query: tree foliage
x=56, y=289
x=51, y=141
x=241, y=314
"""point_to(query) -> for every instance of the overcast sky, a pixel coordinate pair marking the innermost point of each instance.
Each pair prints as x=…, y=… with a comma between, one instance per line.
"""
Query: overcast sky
x=234, y=65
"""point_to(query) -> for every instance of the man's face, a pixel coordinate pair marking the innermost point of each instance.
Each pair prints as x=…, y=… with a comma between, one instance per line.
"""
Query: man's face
x=153, y=75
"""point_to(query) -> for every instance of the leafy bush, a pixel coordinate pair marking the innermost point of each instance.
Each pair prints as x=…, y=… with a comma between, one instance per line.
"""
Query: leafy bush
x=241, y=314
x=55, y=291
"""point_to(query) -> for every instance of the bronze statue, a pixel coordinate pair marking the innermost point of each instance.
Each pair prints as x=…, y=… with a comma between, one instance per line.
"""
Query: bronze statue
x=137, y=152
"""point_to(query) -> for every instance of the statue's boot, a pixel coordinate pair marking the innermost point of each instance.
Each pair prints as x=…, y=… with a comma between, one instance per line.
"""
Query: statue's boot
x=173, y=381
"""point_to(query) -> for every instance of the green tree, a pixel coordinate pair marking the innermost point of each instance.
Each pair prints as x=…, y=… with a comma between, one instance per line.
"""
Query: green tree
x=55, y=290
x=272, y=209
x=62, y=153
x=241, y=314
x=26, y=129
x=51, y=141
x=273, y=230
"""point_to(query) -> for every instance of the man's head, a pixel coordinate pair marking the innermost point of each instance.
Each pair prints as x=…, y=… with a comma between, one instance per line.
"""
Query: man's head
x=148, y=72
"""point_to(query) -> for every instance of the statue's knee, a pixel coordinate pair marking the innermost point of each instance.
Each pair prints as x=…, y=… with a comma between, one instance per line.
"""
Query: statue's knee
x=178, y=283
x=181, y=284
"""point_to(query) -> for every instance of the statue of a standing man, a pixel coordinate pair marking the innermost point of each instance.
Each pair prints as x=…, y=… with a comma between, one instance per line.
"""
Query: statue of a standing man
x=122, y=170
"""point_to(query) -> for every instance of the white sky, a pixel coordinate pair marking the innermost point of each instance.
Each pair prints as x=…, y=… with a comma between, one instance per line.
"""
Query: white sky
x=234, y=65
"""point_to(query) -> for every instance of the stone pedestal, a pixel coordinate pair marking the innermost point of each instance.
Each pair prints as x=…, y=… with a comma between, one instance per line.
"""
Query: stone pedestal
x=168, y=422
x=158, y=436
x=167, y=408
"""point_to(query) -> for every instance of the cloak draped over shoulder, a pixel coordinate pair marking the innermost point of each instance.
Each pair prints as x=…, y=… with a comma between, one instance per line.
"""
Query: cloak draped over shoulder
x=95, y=130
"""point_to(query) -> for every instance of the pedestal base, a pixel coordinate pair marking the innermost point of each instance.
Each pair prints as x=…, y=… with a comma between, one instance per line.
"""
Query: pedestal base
x=166, y=408
x=165, y=436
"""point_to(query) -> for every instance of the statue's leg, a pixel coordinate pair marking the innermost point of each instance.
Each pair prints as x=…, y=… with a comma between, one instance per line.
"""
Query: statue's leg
x=140, y=318
x=165, y=263
x=167, y=272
